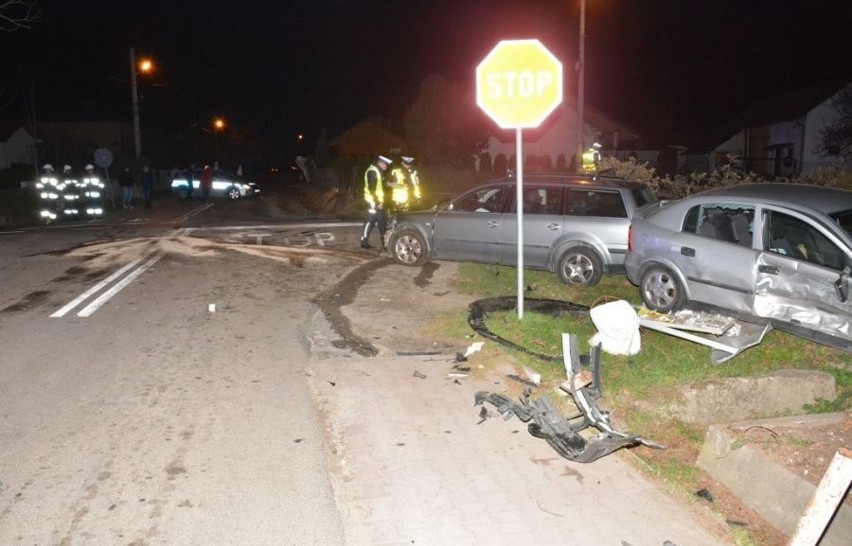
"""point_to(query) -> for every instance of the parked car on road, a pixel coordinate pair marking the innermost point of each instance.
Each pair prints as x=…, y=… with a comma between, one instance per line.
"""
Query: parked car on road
x=225, y=184
x=575, y=226
x=778, y=253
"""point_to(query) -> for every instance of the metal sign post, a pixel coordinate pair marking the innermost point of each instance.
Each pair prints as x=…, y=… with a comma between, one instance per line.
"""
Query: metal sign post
x=519, y=84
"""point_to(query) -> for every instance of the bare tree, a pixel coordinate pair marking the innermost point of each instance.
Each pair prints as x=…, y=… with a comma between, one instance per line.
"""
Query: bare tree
x=836, y=139
x=443, y=124
x=19, y=14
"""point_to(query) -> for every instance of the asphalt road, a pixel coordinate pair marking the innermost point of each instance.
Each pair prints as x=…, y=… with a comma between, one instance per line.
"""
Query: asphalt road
x=153, y=385
x=170, y=377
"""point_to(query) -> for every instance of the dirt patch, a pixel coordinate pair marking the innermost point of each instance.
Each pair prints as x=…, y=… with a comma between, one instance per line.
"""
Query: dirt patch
x=805, y=451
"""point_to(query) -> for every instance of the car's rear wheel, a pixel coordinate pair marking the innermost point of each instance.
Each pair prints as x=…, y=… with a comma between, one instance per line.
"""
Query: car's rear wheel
x=234, y=193
x=661, y=290
x=409, y=248
x=580, y=266
x=183, y=193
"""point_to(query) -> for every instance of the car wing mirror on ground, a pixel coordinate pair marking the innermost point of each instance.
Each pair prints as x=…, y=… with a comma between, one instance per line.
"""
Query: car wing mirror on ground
x=841, y=285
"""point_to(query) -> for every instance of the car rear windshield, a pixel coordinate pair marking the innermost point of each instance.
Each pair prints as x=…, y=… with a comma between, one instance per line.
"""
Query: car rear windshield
x=644, y=196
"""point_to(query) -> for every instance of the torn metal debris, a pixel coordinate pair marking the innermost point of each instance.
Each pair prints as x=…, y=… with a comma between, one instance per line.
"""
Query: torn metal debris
x=561, y=433
x=727, y=337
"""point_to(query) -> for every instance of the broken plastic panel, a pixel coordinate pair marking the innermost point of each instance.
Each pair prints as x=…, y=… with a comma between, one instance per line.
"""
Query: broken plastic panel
x=561, y=433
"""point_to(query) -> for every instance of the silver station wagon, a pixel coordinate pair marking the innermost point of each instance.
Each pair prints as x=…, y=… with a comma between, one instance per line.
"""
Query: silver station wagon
x=778, y=253
x=575, y=226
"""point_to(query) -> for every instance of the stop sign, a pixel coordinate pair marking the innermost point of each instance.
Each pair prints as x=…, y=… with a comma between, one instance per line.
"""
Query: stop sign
x=519, y=83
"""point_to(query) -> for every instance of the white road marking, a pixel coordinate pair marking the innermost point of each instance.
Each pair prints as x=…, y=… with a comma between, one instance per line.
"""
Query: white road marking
x=193, y=212
x=283, y=226
x=103, y=298
x=85, y=295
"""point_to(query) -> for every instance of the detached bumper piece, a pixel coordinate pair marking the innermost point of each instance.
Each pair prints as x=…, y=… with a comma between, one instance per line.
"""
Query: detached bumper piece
x=560, y=432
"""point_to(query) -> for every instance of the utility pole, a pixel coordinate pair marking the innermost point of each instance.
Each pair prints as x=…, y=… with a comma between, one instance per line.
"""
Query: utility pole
x=581, y=60
x=134, y=97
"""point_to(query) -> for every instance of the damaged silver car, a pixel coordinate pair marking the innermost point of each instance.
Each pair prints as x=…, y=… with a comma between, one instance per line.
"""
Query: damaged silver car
x=574, y=226
x=777, y=253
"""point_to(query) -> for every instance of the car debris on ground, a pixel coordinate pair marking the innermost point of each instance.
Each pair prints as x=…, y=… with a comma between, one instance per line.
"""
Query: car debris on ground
x=560, y=432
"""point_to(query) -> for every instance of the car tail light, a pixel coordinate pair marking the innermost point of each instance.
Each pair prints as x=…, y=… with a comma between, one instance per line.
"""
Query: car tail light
x=630, y=238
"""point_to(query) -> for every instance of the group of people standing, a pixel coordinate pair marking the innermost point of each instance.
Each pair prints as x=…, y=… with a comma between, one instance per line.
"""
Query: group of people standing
x=387, y=195
x=205, y=181
x=71, y=196
x=125, y=180
x=68, y=196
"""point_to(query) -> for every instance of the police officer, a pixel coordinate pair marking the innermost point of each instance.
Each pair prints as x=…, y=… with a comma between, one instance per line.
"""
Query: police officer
x=375, y=198
x=398, y=187
x=92, y=190
x=413, y=179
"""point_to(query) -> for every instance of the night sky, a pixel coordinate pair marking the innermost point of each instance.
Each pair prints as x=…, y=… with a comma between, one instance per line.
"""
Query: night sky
x=663, y=67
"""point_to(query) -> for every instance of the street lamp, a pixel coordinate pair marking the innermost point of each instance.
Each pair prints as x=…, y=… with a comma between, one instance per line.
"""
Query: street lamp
x=144, y=65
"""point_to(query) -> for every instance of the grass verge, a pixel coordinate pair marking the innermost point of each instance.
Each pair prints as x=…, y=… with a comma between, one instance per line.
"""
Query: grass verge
x=638, y=389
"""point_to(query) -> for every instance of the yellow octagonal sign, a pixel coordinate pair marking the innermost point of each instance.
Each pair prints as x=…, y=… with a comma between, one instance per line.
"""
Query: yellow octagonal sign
x=519, y=83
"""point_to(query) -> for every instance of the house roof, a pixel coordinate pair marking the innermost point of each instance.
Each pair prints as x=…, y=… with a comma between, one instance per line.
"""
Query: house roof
x=785, y=106
x=368, y=138
x=9, y=127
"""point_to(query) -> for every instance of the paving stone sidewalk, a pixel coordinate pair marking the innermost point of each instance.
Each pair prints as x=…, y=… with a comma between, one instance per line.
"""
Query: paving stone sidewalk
x=413, y=464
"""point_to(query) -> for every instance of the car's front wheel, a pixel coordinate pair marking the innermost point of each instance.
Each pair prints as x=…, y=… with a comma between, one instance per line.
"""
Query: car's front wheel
x=581, y=266
x=183, y=193
x=661, y=290
x=234, y=193
x=409, y=248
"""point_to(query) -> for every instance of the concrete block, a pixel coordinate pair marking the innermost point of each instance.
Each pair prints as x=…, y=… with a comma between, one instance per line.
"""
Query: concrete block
x=740, y=398
x=777, y=494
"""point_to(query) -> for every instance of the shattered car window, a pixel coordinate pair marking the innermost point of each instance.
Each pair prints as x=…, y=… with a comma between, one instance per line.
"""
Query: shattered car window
x=844, y=220
x=798, y=239
x=721, y=221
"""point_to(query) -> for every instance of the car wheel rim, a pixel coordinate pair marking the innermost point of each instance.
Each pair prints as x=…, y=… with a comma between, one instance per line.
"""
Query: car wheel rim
x=234, y=194
x=660, y=289
x=578, y=269
x=408, y=249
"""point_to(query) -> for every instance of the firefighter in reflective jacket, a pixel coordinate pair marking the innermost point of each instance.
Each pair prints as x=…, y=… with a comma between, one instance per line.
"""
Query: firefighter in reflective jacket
x=50, y=196
x=70, y=193
x=591, y=157
x=92, y=190
x=375, y=197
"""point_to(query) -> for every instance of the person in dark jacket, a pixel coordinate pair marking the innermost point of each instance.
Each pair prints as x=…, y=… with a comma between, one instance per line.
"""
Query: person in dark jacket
x=125, y=180
x=147, y=185
x=206, y=182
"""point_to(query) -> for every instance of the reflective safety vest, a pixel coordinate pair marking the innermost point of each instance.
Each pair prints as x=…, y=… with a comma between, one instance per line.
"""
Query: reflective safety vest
x=377, y=194
x=399, y=187
x=48, y=187
x=415, y=182
x=590, y=160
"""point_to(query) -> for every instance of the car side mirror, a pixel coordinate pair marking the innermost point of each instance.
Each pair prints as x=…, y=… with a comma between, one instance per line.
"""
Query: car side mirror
x=841, y=285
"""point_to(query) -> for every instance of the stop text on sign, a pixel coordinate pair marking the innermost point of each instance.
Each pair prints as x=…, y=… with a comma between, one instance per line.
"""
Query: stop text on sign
x=525, y=84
